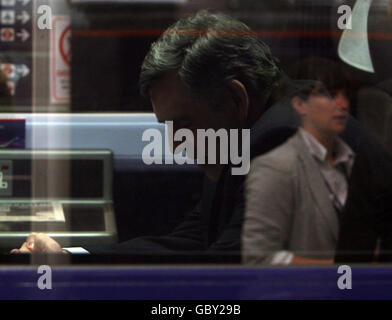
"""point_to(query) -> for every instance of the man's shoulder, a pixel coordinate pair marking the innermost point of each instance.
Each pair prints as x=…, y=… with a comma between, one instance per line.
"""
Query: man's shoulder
x=281, y=158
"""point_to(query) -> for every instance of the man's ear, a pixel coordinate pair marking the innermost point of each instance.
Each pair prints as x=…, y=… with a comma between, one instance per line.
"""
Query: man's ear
x=239, y=95
x=299, y=105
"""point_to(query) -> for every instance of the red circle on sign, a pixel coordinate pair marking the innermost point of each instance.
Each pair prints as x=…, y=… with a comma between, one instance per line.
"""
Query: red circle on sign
x=65, y=55
x=7, y=34
x=8, y=70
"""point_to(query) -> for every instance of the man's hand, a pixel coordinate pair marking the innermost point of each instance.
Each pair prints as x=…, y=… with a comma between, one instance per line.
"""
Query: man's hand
x=39, y=243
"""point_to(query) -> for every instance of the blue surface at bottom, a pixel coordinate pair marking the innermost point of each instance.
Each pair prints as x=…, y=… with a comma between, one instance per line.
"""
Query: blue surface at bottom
x=187, y=283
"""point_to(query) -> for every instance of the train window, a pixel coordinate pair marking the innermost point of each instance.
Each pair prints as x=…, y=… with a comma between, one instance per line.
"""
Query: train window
x=85, y=160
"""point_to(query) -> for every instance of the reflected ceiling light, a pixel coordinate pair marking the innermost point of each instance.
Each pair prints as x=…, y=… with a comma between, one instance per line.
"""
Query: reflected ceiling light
x=354, y=43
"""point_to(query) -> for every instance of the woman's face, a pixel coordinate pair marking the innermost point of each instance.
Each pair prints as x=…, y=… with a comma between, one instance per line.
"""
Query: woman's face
x=326, y=114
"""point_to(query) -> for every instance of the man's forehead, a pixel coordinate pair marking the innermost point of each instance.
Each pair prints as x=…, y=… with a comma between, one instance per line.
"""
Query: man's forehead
x=169, y=98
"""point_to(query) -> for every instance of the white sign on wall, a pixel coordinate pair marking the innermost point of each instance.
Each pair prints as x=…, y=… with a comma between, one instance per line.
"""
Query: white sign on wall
x=60, y=63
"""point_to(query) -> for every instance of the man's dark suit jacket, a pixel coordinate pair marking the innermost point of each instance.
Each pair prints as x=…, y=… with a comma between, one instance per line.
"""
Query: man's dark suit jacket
x=214, y=227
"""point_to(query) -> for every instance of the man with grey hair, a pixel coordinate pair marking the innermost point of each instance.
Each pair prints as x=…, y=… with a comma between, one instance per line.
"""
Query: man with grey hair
x=207, y=71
